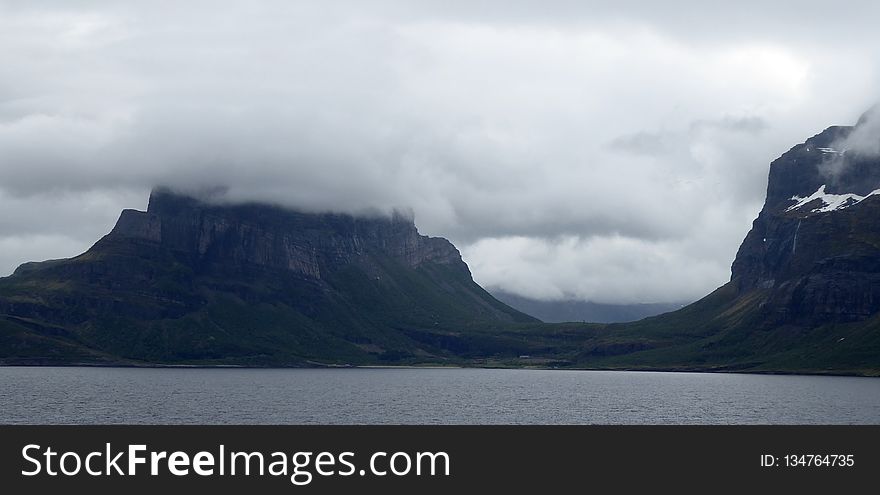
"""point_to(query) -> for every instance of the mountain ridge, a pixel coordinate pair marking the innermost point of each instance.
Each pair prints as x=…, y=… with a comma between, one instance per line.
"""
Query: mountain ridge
x=562, y=311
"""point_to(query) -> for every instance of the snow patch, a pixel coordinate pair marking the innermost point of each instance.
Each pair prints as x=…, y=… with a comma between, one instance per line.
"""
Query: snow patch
x=830, y=202
x=831, y=151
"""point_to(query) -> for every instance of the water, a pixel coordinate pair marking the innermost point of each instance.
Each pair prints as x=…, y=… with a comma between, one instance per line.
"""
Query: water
x=427, y=396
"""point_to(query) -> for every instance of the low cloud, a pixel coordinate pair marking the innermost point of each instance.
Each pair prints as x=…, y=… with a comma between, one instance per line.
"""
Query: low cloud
x=864, y=140
x=750, y=125
x=642, y=143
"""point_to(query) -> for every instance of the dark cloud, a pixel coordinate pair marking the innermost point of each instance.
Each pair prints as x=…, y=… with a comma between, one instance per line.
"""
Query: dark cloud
x=604, y=150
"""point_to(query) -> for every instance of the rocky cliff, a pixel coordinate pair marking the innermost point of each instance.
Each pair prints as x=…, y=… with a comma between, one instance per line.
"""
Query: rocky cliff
x=815, y=246
x=257, y=236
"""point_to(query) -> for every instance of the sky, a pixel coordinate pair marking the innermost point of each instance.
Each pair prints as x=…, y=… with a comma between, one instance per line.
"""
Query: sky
x=612, y=151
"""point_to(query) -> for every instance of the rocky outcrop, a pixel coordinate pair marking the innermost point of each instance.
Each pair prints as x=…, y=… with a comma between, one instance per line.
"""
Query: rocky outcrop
x=814, y=249
x=257, y=235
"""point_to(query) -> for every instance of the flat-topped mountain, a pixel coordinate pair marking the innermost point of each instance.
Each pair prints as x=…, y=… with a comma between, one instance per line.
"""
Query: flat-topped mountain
x=194, y=281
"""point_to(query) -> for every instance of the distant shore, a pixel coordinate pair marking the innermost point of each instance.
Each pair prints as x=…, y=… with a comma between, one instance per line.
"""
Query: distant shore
x=313, y=365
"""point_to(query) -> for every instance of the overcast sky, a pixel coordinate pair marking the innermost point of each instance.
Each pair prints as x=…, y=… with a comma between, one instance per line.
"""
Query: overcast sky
x=608, y=151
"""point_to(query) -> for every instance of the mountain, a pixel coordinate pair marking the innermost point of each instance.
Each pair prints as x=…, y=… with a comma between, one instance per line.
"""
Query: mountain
x=193, y=282
x=814, y=246
x=804, y=293
x=583, y=311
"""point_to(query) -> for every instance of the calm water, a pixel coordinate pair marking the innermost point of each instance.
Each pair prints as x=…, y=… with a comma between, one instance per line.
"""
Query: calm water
x=427, y=396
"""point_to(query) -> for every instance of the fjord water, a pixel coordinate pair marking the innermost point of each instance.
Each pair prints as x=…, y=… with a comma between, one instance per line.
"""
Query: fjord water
x=427, y=396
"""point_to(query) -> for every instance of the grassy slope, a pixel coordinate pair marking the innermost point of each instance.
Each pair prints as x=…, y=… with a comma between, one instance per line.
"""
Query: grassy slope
x=423, y=316
x=718, y=333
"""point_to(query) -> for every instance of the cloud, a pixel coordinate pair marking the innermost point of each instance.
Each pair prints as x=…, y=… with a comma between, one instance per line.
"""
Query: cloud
x=613, y=268
x=750, y=125
x=854, y=145
x=642, y=143
x=864, y=140
x=606, y=135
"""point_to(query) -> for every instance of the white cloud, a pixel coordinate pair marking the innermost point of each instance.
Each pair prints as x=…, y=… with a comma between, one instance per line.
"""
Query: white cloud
x=865, y=139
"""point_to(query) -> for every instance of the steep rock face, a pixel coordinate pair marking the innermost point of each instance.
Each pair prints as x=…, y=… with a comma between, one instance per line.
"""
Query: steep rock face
x=814, y=249
x=273, y=238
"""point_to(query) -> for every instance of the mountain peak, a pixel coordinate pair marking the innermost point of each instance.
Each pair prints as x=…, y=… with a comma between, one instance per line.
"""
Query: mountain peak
x=841, y=160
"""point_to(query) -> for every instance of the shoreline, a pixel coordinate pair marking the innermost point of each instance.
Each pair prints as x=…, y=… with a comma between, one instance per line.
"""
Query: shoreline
x=829, y=373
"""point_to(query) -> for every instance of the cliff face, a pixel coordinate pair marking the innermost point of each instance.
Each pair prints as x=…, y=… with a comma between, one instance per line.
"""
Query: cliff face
x=261, y=236
x=815, y=247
